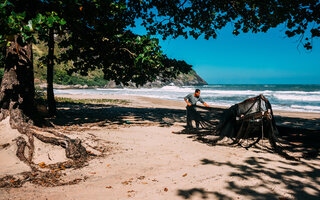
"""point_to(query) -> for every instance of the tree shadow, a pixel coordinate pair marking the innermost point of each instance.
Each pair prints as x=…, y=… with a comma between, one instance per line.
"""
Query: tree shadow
x=268, y=179
x=81, y=114
x=188, y=194
x=254, y=167
x=295, y=122
x=303, y=141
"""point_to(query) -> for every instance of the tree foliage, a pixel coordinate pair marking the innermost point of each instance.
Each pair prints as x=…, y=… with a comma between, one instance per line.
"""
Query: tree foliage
x=94, y=35
x=197, y=17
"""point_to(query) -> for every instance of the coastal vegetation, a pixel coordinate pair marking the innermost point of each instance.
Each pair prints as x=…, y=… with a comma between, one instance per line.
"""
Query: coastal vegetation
x=91, y=101
x=95, y=78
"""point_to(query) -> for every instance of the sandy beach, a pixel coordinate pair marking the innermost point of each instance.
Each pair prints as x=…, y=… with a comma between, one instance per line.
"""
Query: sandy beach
x=142, y=156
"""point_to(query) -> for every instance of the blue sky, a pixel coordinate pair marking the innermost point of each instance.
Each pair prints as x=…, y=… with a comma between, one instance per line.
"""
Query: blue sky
x=263, y=58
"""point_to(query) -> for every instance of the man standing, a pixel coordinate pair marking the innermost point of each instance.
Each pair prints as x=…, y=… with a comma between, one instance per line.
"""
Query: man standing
x=191, y=100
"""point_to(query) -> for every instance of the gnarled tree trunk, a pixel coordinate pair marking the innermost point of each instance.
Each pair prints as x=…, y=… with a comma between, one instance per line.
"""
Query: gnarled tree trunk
x=17, y=86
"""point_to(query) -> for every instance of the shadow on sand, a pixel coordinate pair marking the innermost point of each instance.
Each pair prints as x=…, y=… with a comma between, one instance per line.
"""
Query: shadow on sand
x=257, y=168
x=302, y=137
x=81, y=114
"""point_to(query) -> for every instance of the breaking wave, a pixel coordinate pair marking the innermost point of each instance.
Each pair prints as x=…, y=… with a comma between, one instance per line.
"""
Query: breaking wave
x=301, y=98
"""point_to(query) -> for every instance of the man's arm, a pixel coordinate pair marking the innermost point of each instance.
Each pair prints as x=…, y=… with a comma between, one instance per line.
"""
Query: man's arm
x=205, y=104
x=189, y=104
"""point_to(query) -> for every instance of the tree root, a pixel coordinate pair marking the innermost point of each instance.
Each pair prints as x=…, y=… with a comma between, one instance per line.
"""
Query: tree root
x=41, y=174
x=74, y=149
x=46, y=179
x=21, y=143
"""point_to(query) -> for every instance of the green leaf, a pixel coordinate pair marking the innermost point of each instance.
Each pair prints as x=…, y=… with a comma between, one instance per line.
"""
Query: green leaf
x=11, y=19
x=24, y=37
x=123, y=6
x=50, y=21
x=56, y=19
x=39, y=18
x=118, y=35
x=21, y=16
x=4, y=4
x=63, y=22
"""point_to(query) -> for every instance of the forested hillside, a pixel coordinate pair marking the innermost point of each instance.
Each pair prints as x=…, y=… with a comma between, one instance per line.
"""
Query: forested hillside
x=95, y=78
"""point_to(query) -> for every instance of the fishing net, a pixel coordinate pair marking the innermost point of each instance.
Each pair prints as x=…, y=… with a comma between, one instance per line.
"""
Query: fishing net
x=251, y=119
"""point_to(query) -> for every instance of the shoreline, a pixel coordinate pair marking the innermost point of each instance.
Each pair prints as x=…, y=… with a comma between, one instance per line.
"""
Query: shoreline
x=278, y=105
x=302, y=120
x=180, y=104
x=284, y=97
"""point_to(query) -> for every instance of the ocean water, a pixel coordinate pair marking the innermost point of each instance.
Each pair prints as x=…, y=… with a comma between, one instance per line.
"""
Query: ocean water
x=298, y=98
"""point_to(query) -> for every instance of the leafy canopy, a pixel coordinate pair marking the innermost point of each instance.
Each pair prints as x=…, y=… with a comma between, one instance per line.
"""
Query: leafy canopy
x=198, y=17
x=93, y=34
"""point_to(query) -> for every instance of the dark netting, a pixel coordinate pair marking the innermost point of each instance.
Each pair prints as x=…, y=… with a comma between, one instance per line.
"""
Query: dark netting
x=248, y=122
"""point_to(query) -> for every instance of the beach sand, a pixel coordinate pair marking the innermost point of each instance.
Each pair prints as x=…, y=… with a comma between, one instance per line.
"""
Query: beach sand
x=141, y=156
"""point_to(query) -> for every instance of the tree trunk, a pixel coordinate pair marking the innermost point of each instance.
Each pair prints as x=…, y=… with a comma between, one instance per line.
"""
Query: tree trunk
x=17, y=86
x=50, y=94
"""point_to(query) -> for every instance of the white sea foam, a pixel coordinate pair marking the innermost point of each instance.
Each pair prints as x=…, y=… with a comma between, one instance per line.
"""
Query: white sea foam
x=297, y=108
x=294, y=97
x=222, y=95
x=231, y=92
x=74, y=91
x=307, y=107
x=298, y=92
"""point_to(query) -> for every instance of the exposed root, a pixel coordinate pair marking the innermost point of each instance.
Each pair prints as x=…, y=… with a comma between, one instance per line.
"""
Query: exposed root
x=74, y=149
x=50, y=130
x=48, y=175
x=21, y=143
x=47, y=179
x=42, y=174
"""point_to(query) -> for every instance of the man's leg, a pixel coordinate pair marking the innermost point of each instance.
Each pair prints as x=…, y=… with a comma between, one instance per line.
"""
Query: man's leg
x=189, y=117
x=196, y=118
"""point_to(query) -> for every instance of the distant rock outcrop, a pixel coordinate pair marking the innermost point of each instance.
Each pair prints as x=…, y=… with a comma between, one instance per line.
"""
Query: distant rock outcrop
x=190, y=79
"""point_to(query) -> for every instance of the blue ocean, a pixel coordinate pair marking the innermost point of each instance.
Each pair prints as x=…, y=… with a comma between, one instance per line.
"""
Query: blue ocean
x=297, y=98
